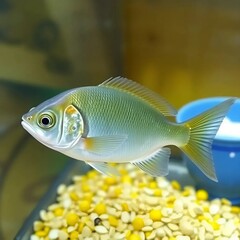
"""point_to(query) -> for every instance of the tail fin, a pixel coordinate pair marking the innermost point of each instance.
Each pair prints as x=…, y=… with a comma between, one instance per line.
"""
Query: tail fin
x=203, y=129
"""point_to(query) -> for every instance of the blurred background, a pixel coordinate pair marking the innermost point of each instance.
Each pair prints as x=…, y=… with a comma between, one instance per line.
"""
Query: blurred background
x=184, y=50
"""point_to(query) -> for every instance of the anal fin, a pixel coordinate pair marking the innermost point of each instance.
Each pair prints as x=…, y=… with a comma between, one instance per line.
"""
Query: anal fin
x=104, y=168
x=156, y=164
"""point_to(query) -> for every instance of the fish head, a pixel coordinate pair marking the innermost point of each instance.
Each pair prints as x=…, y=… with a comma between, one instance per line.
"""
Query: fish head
x=58, y=125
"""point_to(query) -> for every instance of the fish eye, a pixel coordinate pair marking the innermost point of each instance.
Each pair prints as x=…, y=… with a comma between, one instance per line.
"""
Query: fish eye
x=46, y=120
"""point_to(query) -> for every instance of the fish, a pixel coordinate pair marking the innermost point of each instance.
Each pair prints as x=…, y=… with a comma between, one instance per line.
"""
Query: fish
x=121, y=121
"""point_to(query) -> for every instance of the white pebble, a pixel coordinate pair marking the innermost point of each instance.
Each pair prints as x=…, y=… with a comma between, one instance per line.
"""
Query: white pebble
x=168, y=231
x=61, y=189
x=34, y=237
x=148, y=191
x=160, y=232
x=214, y=209
x=56, y=223
x=112, y=211
x=201, y=233
x=152, y=235
x=104, y=237
x=228, y=229
x=71, y=228
x=43, y=215
x=156, y=224
x=119, y=236
x=166, y=220
x=147, y=229
x=125, y=217
x=67, y=203
x=186, y=227
x=38, y=225
x=178, y=206
x=173, y=227
x=207, y=226
x=86, y=232
x=221, y=221
x=53, y=234
x=121, y=227
x=183, y=238
x=62, y=235
x=148, y=222
x=227, y=215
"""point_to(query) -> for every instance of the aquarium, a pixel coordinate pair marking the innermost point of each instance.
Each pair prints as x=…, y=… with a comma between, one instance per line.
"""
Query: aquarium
x=183, y=51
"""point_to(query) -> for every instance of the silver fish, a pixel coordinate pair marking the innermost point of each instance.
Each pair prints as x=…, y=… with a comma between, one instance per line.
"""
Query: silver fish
x=121, y=121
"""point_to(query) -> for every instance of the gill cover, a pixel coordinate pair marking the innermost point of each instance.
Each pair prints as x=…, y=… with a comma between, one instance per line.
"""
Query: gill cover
x=72, y=127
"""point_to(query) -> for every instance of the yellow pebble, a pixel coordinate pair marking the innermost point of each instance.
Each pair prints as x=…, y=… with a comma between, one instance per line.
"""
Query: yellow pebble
x=80, y=227
x=134, y=236
x=126, y=179
x=73, y=196
x=176, y=185
x=72, y=219
x=215, y=225
x=206, y=208
x=88, y=196
x=110, y=180
x=74, y=235
x=138, y=223
x=100, y=208
x=201, y=194
x=92, y=174
x=147, y=234
x=105, y=187
x=84, y=205
x=155, y=215
x=153, y=184
x=41, y=233
x=127, y=234
x=185, y=193
x=157, y=192
x=117, y=191
x=58, y=211
x=123, y=171
x=134, y=195
x=85, y=188
x=142, y=184
x=235, y=209
x=125, y=207
x=171, y=199
x=113, y=221
x=226, y=202
x=169, y=205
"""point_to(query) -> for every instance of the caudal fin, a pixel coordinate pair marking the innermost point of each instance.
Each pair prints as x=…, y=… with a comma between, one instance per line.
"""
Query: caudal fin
x=203, y=129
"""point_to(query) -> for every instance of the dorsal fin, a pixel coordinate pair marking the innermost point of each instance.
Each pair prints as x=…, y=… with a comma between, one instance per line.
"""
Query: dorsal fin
x=141, y=92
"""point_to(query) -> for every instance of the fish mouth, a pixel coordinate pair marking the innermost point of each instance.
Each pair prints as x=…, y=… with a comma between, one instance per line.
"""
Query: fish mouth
x=30, y=130
x=34, y=133
x=27, y=127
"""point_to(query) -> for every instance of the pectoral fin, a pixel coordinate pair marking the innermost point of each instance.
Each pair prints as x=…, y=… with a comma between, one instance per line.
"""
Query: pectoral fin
x=156, y=164
x=103, y=145
x=104, y=168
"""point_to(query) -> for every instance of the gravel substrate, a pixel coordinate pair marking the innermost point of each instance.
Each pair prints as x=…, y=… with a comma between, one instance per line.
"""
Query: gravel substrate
x=135, y=206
